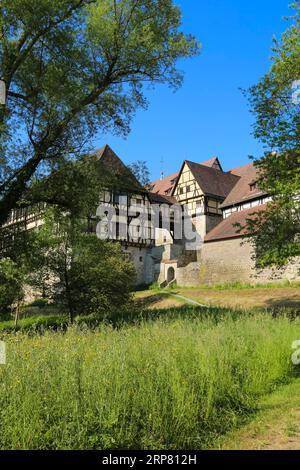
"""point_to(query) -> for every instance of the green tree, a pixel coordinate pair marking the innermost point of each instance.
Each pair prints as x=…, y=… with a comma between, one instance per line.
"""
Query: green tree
x=141, y=172
x=75, y=268
x=11, y=285
x=101, y=279
x=72, y=68
x=275, y=102
x=60, y=254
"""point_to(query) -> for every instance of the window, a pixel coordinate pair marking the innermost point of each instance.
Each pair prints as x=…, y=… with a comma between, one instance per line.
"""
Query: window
x=188, y=189
x=116, y=198
x=141, y=259
x=181, y=190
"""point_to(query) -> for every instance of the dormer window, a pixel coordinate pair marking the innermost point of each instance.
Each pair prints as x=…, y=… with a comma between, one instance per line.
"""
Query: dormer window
x=253, y=186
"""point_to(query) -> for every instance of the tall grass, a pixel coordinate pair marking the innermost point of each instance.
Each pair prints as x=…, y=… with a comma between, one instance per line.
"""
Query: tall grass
x=238, y=285
x=175, y=384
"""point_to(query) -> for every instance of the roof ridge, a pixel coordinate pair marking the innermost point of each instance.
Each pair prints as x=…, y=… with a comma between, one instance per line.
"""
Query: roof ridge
x=165, y=177
x=205, y=166
x=213, y=169
x=241, y=166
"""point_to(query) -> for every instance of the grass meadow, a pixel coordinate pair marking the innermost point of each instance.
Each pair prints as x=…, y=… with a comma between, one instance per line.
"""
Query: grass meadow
x=168, y=383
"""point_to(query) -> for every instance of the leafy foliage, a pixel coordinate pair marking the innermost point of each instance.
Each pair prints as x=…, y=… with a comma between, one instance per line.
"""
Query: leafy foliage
x=141, y=172
x=11, y=288
x=272, y=99
x=77, y=269
x=277, y=112
x=72, y=68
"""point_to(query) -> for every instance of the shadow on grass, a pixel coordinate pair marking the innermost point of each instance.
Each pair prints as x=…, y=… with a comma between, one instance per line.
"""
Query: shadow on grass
x=131, y=317
x=284, y=302
x=140, y=313
x=193, y=312
x=151, y=300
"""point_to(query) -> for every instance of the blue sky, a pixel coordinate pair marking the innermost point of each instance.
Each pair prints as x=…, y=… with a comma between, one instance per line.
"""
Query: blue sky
x=209, y=115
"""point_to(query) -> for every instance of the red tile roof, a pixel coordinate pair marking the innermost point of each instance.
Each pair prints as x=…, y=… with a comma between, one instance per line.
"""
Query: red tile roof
x=213, y=182
x=114, y=165
x=212, y=162
x=164, y=186
x=242, y=190
x=226, y=230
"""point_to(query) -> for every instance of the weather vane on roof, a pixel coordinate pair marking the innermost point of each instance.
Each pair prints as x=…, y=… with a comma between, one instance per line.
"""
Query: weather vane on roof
x=162, y=173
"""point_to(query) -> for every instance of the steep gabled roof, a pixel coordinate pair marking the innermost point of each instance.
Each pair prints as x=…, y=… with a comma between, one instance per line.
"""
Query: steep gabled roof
x=116, y=168
x=242, y=190
x=164, y=186
x=211, y=181
x=226, y=229
x=213, y=162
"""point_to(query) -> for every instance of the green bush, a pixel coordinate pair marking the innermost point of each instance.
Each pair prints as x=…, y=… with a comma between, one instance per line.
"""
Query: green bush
x=40, y=303
x=11, y=290
x=176, y=384
x=78, y=271
x=35, y=324
x=154, y=286
x=100, y=279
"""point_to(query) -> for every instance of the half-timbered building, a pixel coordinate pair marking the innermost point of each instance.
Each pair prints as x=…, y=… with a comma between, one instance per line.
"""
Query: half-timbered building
x=213, y=199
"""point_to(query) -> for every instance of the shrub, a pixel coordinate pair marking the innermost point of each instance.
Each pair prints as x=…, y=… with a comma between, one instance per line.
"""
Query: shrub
x=101, y=280
x=11, y=289
x=79, y=271
x=40, y=303
x=36, y=324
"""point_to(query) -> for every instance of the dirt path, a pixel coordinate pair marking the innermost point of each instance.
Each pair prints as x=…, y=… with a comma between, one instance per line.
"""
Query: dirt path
x=235, y=298
x=187, y=300
x=245, y=298
x=276, y=426
x=165, y=299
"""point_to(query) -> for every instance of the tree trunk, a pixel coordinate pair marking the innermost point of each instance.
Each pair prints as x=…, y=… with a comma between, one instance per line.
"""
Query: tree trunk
x=17, y=314
x=67, y=287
